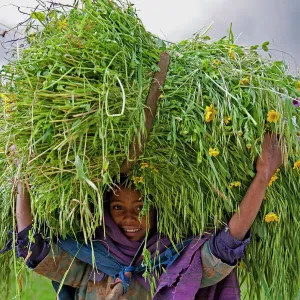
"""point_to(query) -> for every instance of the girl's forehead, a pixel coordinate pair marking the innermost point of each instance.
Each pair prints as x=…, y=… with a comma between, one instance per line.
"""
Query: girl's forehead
x=125, y=194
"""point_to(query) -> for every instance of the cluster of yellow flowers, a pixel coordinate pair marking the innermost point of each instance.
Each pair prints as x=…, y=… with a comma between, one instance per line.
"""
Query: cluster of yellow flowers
x=274, y=177
x=62, y=24
x=137, y=180
x=235, y=183
x=145, y=165
x=210, y=112
x=271, y=217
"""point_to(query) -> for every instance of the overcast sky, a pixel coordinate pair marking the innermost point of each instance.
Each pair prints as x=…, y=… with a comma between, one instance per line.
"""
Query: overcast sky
x=254, y=21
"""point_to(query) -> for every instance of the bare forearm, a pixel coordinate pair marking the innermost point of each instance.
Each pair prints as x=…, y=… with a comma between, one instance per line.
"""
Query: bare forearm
x=242, y=220
x=23, y=209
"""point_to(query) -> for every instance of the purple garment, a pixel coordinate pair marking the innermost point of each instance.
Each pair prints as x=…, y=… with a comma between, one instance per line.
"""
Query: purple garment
x=228, y=249
x=226, y=289
x=183, y=279
x=185, y=272
x=39, y=248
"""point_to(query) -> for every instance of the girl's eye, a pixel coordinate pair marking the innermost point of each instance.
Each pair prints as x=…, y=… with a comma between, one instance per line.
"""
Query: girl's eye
x=117, y=207
x=139, y=208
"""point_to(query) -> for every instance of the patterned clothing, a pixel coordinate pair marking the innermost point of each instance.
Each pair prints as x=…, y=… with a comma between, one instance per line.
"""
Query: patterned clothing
x=60, y=266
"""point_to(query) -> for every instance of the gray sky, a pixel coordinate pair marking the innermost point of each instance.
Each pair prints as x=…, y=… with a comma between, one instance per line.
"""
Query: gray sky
x=254, y=21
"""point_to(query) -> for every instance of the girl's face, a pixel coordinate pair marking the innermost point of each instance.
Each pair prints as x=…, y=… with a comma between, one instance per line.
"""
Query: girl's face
x=125, y=207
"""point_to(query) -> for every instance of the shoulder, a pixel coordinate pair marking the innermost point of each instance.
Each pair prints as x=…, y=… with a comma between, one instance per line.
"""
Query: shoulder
x=59, y=261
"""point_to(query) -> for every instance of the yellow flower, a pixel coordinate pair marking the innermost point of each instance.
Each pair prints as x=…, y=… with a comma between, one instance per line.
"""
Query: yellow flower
x=296, y=165
x=154, y=169
x=4, y=98
x=210, y=113
x=231, y=53
x=278, y=170
x=31, y=36
x=215, y=63
x=62, y=24
x=227, y=120
x=235, y=183
x=271, y=217
x=298, y=85
x=249, y=146
x=244, y=81
x=273, y=179
x=137, y=180
x=240, y=133
x=144, y=165
x=213, y=152
x=273, y=116
x=7, y=101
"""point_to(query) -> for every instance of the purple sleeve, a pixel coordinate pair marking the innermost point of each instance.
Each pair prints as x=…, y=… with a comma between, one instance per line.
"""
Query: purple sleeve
x=39, y=247
x=228, y=249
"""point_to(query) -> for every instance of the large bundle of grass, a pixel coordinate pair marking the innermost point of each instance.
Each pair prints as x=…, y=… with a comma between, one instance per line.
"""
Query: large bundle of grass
x=73, y=102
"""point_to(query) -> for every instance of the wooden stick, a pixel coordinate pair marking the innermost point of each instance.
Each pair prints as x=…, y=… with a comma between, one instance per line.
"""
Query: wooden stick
x=150, y=111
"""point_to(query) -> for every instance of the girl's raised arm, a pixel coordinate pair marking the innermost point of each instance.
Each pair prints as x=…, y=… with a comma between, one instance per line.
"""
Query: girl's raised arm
x=23, y=209
x=269, y=160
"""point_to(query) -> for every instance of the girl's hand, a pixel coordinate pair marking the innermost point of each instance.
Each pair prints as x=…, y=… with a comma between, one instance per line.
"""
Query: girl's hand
x=270, y=159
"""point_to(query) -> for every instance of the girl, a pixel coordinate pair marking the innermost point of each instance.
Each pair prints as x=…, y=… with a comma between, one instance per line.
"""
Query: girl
x=198, y=268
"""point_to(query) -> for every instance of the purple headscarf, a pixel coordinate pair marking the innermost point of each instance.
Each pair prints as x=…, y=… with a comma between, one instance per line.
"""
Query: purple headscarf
x=122, y=247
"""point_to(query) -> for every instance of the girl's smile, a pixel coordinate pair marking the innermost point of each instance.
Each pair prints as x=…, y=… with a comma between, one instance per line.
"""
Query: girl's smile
x=130, y=232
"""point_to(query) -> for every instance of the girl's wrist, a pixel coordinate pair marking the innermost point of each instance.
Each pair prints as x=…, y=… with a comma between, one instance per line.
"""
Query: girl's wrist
x=263, y=178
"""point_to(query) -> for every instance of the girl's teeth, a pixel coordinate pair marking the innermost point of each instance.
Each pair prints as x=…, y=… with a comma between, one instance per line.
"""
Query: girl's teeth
x=131, y=230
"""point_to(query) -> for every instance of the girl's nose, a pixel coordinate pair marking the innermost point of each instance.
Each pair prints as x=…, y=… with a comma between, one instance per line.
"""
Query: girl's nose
x=130, y=216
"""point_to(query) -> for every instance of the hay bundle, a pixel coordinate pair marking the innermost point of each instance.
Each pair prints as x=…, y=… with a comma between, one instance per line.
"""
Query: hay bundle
x=74, y=100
